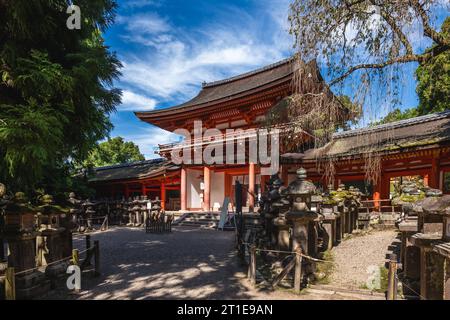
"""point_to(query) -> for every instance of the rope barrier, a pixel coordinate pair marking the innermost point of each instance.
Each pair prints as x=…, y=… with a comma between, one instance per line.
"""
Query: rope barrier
x=414, y=291
x=36, y=268
x=52, y=263
x=289, y=252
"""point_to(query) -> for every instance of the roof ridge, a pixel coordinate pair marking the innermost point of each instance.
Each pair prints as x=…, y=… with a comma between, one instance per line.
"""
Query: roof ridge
x=131, y=164
x=392, y=125
x=247, y=74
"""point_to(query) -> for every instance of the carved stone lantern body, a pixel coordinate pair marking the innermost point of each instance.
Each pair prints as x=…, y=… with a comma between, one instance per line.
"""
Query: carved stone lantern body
x=300, y=215
x=20, y=232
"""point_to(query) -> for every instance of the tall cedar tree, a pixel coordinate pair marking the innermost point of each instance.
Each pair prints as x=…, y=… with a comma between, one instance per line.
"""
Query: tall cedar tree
x=56, y=88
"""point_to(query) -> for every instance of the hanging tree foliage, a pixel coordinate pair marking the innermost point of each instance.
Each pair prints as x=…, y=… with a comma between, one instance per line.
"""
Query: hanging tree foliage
x=56, y=87
x=365, y=42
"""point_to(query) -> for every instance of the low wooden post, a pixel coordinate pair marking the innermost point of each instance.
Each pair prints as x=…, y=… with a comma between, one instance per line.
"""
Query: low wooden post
x=298, y=269
x=10, y=284
x=392, y=278
x=75, y=257
x=96, y=258
x=252, y=266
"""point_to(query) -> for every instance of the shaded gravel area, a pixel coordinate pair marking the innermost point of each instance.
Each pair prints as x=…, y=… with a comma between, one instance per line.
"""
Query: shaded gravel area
x=356, y=254
x=189, y=263
x=192, y=263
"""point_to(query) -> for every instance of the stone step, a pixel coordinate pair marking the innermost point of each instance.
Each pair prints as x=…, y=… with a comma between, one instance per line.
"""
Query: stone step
x=198, y=224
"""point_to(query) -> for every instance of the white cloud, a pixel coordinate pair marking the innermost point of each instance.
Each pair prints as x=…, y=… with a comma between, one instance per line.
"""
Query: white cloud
x=144, y=24
x=133, y=102
x=141, y=3
x=177, y=61
x=173, y=61
x=149, y=138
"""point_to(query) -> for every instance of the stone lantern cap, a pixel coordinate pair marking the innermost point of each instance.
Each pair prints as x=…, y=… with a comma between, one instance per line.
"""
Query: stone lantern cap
x=436, y=205
x=18, y=205
x=48, y=206
x=301, y=185
x=302, y=215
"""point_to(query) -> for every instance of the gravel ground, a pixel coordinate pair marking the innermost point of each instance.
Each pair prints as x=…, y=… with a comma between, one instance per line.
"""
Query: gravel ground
x=192, y=263
x=189, y=263
x=354, y=255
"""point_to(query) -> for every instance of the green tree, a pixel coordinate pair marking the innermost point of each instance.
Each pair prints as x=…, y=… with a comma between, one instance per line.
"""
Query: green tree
x=56, y=87
x=113, y=151
x=433, y=79
x=369, y=35
x=433, y=85
x=397, y=115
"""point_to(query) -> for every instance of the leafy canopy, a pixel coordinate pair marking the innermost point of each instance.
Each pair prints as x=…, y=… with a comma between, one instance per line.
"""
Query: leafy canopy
x=56, y=87
x=433, y=86
x=113, y=151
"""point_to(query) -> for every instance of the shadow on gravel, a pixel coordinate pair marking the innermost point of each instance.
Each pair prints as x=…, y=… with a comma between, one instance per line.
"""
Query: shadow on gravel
x=186, y=264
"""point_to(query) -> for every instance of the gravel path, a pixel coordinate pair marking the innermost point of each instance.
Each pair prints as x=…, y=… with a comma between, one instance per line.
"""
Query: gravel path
x=353, y=257
x=192, y=263
x=189, y=263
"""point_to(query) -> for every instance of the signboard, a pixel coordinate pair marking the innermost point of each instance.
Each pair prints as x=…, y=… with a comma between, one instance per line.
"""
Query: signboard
x=224, y=213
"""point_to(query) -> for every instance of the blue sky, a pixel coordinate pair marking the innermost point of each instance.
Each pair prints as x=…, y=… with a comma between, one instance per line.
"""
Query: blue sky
x=168, y=48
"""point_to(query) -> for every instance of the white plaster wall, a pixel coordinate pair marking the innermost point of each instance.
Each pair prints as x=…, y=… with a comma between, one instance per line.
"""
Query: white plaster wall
x=193, y=189
x=217, y=189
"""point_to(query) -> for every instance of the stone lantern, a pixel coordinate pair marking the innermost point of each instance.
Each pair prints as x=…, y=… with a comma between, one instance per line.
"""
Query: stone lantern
x=145, y=208
x=329, y=221
x=339, y=197
x=89, y=211
x=20, y=233
x=278, y=206
x=433, y=241
x=136, y=209
x=300, y=215
x=53, y=241
x=75, y=210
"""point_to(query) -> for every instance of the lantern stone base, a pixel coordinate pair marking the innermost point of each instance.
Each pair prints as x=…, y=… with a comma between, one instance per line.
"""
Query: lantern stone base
x=281, y=231
x=329, y=226
x=31, y=285
x=432, y=266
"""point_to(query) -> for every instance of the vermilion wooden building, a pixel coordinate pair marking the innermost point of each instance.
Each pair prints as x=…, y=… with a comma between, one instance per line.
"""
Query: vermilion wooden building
x=417, y=146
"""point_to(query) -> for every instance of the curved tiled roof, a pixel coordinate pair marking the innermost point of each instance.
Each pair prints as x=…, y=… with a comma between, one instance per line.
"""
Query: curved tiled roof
x=133, y=171
x=419, y=132
x=228, y=88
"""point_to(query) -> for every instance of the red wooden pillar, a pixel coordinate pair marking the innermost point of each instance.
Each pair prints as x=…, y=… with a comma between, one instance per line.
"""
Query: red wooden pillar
x=127, y=191
x=435, y=174
x=163, y=195
x=285, y=174
x=143, y=189
x=426, y=179
x=377, y=195
x=263, y=183
x=183, y=189
x=207, y=188
x=385, y=186
x=251, y=186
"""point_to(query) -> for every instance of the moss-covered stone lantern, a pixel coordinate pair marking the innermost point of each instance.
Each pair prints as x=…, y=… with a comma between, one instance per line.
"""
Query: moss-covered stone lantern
x=300, y=215
x=19, y=215
x=278, y=206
